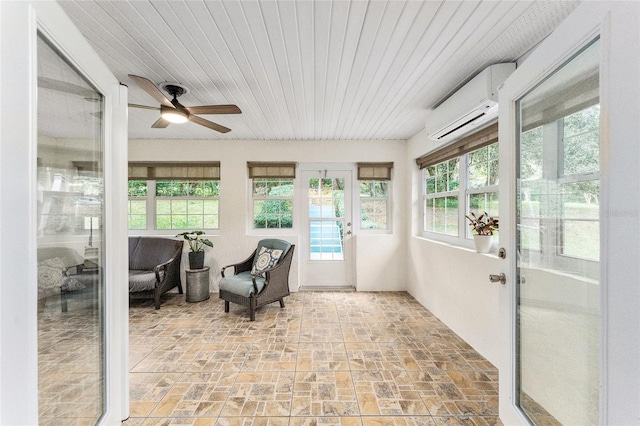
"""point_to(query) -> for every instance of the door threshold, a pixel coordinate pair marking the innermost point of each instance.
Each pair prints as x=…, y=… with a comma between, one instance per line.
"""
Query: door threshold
x=326, y=288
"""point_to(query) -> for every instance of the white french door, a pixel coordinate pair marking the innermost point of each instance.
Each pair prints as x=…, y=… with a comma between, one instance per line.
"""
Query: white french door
x=558, y=244
x=327, y=233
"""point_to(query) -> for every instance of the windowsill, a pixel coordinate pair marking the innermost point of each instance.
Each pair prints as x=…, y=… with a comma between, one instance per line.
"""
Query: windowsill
x=493, y=254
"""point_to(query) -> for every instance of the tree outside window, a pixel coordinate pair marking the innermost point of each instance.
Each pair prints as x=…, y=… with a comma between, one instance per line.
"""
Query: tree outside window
x=272, y=203
x=374, y=204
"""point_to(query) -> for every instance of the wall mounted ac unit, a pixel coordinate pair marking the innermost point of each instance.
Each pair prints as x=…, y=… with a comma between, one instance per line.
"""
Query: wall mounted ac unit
x=475, y=104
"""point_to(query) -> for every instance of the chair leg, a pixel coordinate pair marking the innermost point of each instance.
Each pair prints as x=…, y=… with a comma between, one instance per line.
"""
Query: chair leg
x=282, y=303
x=253, y=305
x=226, y=306
x=63, y=301
x=179, y=287
x=157, y=299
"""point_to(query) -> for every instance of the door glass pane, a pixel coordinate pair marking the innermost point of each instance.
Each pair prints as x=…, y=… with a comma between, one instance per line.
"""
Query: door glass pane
x=558, y=245
x=71, y=345
x=326, y=218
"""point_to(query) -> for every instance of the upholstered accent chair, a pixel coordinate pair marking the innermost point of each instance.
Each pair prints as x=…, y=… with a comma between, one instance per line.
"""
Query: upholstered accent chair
x=154, y=267
x=260, y=279
x=61, y=271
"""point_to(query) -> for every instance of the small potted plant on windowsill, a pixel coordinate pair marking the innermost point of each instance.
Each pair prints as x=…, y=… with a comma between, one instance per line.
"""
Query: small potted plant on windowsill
x=483, y=226
x=196, y=245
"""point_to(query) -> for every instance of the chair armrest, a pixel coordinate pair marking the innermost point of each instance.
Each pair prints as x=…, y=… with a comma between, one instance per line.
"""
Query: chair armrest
x=245, y=265
x=166, y=264
x=280, y=269
x=79, y=269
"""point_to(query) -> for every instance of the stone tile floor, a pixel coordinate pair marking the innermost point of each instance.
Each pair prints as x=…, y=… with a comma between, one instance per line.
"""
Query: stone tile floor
x=327, y=358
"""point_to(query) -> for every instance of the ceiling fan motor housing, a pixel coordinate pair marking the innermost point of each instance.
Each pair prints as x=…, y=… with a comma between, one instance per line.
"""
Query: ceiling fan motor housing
x=174, y=89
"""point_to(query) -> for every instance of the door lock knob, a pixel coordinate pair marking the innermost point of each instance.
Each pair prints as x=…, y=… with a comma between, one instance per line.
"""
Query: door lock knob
x=500, y=278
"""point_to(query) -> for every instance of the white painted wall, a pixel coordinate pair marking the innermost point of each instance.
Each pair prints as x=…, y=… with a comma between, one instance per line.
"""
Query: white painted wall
x=379, y=258
x=451, y=281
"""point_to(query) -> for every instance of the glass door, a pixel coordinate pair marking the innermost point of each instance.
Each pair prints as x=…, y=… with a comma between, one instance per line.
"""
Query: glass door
x=329, y=229
x=70, y=243
x=558, y=245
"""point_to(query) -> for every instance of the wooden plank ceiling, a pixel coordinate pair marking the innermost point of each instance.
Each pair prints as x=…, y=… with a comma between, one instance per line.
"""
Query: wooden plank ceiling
x=308, y=70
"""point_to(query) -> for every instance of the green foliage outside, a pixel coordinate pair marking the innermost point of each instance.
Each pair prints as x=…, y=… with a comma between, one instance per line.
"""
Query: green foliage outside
x=483, y=167
x=202, y=188
x=570, y=208
x=373, y=204
x=443, y=177
x=137, y=188
x=273, y=213
x=137, y=218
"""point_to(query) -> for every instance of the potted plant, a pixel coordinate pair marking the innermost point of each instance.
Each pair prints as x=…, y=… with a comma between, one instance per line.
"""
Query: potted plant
x=483, y=226
x=196, y=245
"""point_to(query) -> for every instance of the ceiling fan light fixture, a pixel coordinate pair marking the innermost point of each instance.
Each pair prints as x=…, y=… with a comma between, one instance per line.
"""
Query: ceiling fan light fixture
x=174, y=115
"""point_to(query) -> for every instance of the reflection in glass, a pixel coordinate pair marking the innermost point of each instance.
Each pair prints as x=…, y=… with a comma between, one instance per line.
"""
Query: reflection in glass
x=558, y=244
x=71, y=349
x=326, y=214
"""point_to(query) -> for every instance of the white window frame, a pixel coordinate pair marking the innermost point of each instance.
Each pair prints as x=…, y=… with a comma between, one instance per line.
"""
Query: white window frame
x=139, y=198
x=430, y=196
x=253, y=198
x=487, y=189
x=387, y=200
x=464, y=237
x=151, y=199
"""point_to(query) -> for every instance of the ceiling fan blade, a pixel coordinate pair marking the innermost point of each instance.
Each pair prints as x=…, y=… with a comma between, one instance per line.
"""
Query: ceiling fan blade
x=214, y=109
x=210, y=124
x=160, y=123
x=151, y=89
x=63, y=86
x=144, y=107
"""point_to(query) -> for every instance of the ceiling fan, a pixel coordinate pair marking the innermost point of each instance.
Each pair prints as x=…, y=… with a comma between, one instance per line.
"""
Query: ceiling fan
x=172, y=111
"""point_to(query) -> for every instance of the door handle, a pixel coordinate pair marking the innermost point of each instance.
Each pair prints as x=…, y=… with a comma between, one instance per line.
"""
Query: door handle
x=500, y=278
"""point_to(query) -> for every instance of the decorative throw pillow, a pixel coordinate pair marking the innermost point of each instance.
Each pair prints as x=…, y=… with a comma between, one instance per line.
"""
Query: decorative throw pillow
x=267, y=258
x=50, y=275
x=71, y=284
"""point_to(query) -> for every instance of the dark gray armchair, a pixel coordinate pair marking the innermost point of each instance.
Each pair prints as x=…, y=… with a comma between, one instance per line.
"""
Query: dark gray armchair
x=61, y=271
x=260, y=279
x=154, y=267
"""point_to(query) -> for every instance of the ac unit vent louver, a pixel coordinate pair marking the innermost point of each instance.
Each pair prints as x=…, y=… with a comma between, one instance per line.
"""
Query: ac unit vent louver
x=475, y=104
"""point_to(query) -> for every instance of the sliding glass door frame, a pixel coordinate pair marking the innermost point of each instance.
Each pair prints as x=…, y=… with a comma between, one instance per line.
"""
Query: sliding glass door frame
x=20, y=23
x=619, y=93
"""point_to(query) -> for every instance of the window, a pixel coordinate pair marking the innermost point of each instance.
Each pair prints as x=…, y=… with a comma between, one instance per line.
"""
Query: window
x=174, y=196
x=272, y=192
x=580, y=184
x=374, y=204
x=570, y=188
x=442, y=182
x=374, y=195
x=272, y=203
x=461, y=178
x=482, y=181
x=530, y=188
x=187, y=204
x=137, y=217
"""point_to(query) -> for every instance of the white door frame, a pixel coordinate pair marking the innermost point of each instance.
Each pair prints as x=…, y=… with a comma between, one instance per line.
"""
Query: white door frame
x=303, y=219
x=616, y=23
x=19, y=24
